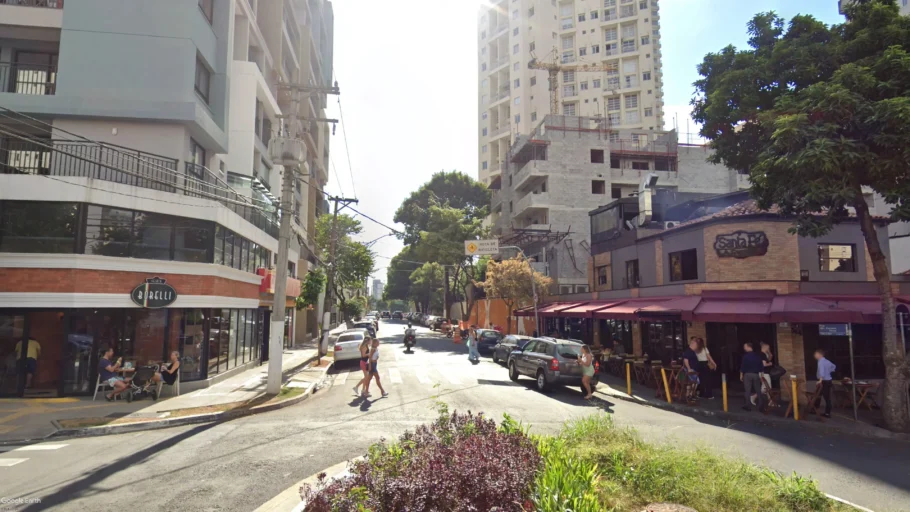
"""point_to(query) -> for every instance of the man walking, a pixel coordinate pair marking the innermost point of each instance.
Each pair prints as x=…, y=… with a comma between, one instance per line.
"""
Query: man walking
x=31, y=359
x=749, y=372
x=825, y=369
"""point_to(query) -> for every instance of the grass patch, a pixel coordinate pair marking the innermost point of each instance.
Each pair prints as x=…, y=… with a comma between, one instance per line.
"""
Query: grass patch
x=286, y=394
x=629, y=473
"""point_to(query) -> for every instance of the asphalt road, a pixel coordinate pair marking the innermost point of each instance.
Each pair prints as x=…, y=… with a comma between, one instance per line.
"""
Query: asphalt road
x=240, y=464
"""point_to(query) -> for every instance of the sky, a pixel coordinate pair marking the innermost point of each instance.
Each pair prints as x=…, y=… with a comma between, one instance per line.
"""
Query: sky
x=407, y=70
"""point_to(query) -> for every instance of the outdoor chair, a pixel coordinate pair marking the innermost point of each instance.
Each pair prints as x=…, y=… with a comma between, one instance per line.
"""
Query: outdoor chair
x=175, y=388
x=102, y=386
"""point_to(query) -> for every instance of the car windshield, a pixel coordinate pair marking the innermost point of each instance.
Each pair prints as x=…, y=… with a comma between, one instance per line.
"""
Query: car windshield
x=566, y=350
x=350, y=337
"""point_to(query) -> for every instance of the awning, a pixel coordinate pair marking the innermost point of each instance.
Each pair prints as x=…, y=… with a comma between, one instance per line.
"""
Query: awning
x=555, y=308
x=743, y=310
x=628, y=310
x=526, y=311
x=815, y=309
x=677, y=308
x=586, y=310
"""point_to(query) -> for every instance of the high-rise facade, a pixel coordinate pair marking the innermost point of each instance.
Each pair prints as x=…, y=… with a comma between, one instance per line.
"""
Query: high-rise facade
x=137, y=195
x=377, y=289
x=620, y=37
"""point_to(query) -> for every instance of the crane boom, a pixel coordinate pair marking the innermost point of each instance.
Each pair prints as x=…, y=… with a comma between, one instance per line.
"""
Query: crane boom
x=553, y=69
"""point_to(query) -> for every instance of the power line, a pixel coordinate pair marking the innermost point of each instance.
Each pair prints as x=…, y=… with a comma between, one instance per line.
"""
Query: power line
x=346, y=147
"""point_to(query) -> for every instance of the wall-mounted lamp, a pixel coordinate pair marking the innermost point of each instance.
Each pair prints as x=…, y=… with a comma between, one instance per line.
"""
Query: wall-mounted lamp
x=803, y=275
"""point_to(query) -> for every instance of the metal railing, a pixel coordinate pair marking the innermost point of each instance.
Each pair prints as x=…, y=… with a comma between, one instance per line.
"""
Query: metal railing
x=25, y=78
x=498, y=62
x=50, y=4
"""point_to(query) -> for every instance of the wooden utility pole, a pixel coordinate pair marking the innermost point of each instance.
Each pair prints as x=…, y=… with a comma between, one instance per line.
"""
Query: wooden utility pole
x=330, y=282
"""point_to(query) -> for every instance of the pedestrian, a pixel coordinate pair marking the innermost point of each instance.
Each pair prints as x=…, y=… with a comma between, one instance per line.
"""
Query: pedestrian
x=690, y=363
x=586, y=361
x=705, y=367
x=364, y=367
x=473, y=354
x=32, y=353
x=825, y=369
x=108, y=373
x=374, y=367
x=749, y=372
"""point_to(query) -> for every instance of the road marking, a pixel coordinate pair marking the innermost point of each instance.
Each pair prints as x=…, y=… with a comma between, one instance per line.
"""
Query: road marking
x=452, y=379
x=39, y=447
x=5, y=463
x=395, y=375
x=422, y=376
x=342, y=377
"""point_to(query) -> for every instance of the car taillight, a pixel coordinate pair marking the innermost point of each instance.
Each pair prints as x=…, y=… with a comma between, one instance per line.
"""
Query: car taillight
x=337, y=348
x=554, y=364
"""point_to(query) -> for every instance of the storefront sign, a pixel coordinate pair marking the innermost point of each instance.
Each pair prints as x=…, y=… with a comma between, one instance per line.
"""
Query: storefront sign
x=741, y=244
x=154, y=293
x=833, y=329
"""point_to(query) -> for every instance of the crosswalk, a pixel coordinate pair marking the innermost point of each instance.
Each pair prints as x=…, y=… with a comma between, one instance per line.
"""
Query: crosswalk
x=14, y=457
x=418, y=371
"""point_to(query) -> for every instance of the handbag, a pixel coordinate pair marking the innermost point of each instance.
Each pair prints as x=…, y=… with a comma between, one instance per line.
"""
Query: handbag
x=777, y=371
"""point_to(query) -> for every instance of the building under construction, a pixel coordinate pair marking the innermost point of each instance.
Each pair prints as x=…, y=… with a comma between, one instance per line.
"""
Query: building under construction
x=571, y=165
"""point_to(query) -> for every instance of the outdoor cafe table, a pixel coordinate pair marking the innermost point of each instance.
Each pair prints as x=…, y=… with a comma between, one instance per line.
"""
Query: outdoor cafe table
x=862, y=392
x=672, y=378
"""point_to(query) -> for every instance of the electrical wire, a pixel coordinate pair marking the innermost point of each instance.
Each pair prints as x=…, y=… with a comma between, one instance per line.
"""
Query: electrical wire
x=346, y=147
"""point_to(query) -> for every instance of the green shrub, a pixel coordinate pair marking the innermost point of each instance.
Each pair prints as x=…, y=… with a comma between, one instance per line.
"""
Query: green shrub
x=566, y=482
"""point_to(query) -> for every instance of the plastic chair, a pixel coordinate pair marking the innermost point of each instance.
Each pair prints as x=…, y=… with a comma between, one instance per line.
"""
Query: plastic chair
x=175, y=387
x=102, y=386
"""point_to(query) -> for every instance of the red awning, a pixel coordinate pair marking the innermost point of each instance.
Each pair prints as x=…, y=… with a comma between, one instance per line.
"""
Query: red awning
x=554, y=309
x=744, y=310
x=628, y=310
x=526, y=311
x=812, y=309
x=680, y=308
x=586, y=310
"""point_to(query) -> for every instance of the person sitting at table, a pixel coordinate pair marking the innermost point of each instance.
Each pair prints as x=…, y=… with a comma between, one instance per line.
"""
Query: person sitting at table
x=108, y=373
x=168, y=372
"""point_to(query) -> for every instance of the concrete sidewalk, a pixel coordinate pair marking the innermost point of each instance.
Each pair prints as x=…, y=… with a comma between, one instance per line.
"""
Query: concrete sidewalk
x=24, y=420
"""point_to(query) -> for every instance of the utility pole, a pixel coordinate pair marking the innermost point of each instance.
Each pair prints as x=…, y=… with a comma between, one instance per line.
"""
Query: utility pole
x=290, y=150
x=445, y=293
x=330, y=282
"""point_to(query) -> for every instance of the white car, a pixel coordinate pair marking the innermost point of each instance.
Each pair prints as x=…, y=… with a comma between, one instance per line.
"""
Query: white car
x=347, y=346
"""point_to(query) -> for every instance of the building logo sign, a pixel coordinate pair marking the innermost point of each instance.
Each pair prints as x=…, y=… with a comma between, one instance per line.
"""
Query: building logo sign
x=154, y=293
x=741, y=244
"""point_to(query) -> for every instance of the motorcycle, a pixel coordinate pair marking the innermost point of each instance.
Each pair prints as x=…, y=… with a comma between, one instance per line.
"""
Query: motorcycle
x=448, y=329
x=409, y=341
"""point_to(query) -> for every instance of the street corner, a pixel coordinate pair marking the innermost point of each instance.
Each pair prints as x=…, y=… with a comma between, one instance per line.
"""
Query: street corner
x=291, y=499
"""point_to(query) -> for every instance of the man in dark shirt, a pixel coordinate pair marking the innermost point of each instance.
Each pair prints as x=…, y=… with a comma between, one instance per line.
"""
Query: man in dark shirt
x=749, y=372
x=107, y=370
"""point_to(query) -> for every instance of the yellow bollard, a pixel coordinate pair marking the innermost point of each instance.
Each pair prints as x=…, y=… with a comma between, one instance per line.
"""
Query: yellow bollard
x=663, y=373
x=794, y=399
x=629, y=378
x=723, y=387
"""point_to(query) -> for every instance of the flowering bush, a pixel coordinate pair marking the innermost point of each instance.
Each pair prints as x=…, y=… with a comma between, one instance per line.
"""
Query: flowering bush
x=461, y=462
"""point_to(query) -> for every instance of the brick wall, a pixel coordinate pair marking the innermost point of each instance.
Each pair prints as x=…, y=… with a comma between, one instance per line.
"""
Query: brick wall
x=697, y=329
x=659, y=258
x=636, y=339
x=45, y=280
x=600, y=260
x=791, y=356
x=781, y=263
x=782, y=288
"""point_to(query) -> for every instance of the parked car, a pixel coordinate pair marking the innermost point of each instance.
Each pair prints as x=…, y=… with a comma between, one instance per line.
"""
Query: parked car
x=367, y=325
x=550, y=362
x=437, y=323
x=347, y=346
x=373, y=313
x=487, y=339
x=385, y=314
x=374, y=319
x=397, y=315
x=506, y=345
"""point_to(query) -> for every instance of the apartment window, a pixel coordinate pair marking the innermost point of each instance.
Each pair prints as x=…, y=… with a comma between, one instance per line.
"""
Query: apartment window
x=569, y=90
x=582, y=51
x=483, y=116
x=483, y=148
x=568, y=109
x=602, y=275
x=610, y=34
x=484, y=132
x=609, y=3
x=632, y=117
x=568, y=43
x=531, y=46
x=597, y=156
x=649, y=112
x=197, y=155
x=615, y=192
x=515, y=14
x=483, y=35
x=613, y=137
x=584, y=86
x=626, y=11
x=533, y=116
x=517, y=82
x=483, y=51
x=203, y=80
x=518, y=100
x=568, y=76
x=515, y=49
x=640, y=166
x=645, y=40
x=516, y=66
x=610, y=49
x=615, y=119
x=646, y=75
x=483, y=83
x=483, y=98
x=510, y=207
x=836, y=258
x=530, y=12
x=631, y=101
x=483, y=66
x=484, y=165
x=517, y=118
x=598, y=187
x=632, y=277
x=595, y=48
x=515, y=31
x=610, y=14
x=642, y=6
x=594, y=15
x=533, y=81
x=684, y=265
x=628, y=46
x=613, y=103
x=628, y=32
x=581, y=17
x=208, y=9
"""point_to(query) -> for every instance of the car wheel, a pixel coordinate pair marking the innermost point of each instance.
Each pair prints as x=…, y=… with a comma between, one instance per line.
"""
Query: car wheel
x=129, y=397
x=495, y=358
x=542, y=385
x=513, y=372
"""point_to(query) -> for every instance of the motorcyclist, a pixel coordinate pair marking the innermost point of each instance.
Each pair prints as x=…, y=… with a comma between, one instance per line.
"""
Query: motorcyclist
x=410, y=332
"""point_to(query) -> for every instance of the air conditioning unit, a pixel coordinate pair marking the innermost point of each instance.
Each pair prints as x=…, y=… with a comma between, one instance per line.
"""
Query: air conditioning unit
x=670, y=224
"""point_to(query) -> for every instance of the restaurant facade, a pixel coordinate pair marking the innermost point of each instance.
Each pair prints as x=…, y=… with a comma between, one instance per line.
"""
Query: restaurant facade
x=729, y=274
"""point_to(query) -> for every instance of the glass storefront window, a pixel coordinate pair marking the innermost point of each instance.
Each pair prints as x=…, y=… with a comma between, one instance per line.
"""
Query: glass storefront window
x=151, y=236
x=229, y=248
x=12, y=330
x=232, y=343
x=192, y=345
x=38, y=227
x=219, y=245
x=108, y=231
x=192, y=239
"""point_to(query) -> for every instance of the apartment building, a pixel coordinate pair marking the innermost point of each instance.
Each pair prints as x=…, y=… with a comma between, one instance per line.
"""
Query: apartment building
x=570, y=165
x=620, y=37
x=378, y=286
x=136, y=187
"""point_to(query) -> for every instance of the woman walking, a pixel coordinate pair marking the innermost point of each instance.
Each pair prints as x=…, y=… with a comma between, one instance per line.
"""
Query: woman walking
x=705, y=366
x=374, y=367
x=586, y=361
x=473, y=354
x=364, y=367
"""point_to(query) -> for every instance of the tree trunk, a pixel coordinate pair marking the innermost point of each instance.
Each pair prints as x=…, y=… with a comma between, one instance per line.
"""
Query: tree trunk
x=894, y=408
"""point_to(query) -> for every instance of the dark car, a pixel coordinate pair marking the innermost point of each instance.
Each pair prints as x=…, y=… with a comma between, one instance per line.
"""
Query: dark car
x=549, y=361
x=397, y=315
x=437, y=323
x=385, y=314
x=368, y=325
x=487, y=339
x=507, y=345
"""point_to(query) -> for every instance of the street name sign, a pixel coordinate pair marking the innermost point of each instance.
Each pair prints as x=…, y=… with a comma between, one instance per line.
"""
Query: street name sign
x=833, y=330
x=481, y=247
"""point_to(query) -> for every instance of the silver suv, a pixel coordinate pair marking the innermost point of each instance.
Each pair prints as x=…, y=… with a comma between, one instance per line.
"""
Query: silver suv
x=550, y=361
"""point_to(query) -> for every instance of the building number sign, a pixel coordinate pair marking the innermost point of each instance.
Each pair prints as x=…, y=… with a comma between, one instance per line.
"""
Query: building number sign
x=741, y=244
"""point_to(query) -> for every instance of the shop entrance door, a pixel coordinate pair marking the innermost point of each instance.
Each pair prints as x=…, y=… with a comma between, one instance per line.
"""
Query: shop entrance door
x=725, y=341
x=13, y=362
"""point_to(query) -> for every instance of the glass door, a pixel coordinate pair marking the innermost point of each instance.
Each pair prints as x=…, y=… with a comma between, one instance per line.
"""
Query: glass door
x=12, y=364
x=79, y=355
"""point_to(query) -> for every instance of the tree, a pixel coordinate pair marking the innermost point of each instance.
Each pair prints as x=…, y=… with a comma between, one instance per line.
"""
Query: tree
x=313, y=284
x=426, y=286
x=816, y=115
x=355, y=307
x=353, y=260
x=398, y=275
x=510, y=280
x=453, y=189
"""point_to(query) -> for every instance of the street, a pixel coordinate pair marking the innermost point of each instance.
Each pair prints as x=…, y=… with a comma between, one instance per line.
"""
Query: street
x=238, y=465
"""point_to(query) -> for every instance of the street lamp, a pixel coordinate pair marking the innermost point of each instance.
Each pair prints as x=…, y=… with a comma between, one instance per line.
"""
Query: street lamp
x=533, y=285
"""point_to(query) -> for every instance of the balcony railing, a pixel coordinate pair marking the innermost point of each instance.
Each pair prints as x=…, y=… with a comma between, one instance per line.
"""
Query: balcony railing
x=498, y=62
x=496, y=96
x=24, y=78
x=50, y=4
x=500, y=129
x=117, y=164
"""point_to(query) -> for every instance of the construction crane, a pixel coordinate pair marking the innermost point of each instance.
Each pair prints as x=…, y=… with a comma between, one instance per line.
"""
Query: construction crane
x=554, y=68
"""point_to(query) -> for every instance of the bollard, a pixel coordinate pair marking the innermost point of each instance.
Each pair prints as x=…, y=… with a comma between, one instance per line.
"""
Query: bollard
x=629, y=378
x=723, y=387
x=663, y=373
x=794, y=399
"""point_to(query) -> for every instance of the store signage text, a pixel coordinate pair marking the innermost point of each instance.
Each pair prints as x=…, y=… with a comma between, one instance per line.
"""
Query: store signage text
x=741, y=244
x=154, y=293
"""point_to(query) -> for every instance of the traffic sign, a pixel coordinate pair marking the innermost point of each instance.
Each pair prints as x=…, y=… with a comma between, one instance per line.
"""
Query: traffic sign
x=481, y=247
x=833, y=330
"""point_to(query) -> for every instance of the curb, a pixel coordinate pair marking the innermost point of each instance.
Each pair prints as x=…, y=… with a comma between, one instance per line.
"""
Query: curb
x=289, y=499
x=217, y=417
x=875, y=433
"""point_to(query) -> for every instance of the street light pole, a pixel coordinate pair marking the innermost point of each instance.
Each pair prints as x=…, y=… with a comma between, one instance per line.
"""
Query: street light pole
x=533, y=283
